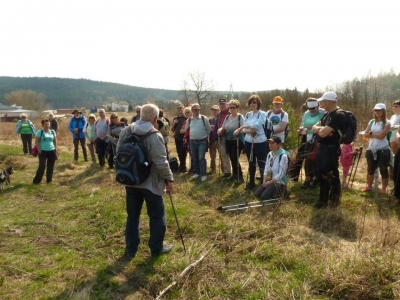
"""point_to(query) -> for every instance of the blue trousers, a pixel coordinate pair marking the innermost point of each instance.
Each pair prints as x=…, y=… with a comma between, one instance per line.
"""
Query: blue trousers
x=199, y=149
x=156, y=212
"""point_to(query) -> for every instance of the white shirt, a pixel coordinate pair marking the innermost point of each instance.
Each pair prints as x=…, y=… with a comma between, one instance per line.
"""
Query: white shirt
x=276, y=123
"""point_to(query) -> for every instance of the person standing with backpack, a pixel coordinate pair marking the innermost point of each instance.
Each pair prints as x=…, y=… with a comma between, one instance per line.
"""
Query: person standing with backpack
x=378, y=151
x=101, y=129
x=151, y=190
x=279, y=118
x=45, y=141
x=176, y=127
x=328, y=139
x=113, y=131
x=76, y=126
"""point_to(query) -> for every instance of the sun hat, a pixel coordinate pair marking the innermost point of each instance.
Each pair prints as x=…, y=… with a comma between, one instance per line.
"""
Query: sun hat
x=277, y=99
x=379, y=106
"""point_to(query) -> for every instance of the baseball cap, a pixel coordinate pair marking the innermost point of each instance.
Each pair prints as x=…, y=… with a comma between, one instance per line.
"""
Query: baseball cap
x=397, y=102
x=222, y=100
x=215, y=107
x=312, y=103
x=330, y=96
x=275, y=139
x=196, y=105
x=379, y=106
x=277, y=99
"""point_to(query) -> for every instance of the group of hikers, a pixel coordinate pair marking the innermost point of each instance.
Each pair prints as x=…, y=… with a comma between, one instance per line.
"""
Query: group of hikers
x=324, y=132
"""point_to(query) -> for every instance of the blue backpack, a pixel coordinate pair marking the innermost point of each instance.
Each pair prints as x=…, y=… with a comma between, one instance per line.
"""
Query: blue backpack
x=131, y=163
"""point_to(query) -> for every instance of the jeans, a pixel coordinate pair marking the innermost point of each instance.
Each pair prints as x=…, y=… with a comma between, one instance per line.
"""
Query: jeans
x=101, y=148
x=156, y=213
x=328, y=173
x=27, y=143
x=198, y=148
x=50, y=158
x=81, y=141
x=260, y=154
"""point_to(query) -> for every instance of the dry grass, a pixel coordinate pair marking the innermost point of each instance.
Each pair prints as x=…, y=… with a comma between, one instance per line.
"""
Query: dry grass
x=65, y=241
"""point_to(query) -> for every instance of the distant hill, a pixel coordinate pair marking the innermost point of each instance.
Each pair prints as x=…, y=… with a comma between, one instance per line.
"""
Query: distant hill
x=67, y=93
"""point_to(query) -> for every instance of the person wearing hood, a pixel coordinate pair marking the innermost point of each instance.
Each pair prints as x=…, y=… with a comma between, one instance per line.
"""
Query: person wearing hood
x=151, y=190
x=76, y=125
x=275, y=171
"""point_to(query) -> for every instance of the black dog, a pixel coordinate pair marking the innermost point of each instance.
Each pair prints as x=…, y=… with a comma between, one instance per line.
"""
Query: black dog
x=5, y=177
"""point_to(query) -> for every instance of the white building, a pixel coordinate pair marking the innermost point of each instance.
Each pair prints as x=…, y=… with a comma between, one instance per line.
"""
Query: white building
x=120, y=106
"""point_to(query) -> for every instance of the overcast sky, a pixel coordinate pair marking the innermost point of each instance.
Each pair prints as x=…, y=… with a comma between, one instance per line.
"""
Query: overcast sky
x=253, y=45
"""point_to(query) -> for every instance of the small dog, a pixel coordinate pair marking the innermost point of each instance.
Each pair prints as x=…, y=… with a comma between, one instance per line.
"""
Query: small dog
x=5, y=177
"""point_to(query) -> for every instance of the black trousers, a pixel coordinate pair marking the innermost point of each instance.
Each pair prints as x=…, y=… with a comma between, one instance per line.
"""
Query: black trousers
x=328, y=173
x=48, y=157
x=396, y=175
x=232, y=150
x=26, y=143
x=180, y=149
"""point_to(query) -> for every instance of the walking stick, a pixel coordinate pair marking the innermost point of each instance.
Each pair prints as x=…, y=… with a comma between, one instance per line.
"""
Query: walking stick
x=358, y=160
x=250, y=161
x=219, y=154
x=354, y=158
x=177, y=223
x=237, y=158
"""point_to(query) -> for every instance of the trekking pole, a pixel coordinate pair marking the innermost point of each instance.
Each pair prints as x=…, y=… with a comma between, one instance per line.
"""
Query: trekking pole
x=358, y=160
x=250, y=161
x=177, y=223
x=237, y=158
x=219, y=154
x=354, y=158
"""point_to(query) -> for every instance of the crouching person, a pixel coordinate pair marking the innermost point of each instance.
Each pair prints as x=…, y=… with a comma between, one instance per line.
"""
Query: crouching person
x=275, y=171
x=151, y=190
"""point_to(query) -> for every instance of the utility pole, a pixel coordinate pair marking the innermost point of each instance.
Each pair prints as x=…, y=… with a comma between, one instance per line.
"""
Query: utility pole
x=231, y=91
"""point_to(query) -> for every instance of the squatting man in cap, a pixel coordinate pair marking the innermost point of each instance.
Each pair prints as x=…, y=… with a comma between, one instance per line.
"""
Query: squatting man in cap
x=275, y=171
x=328, y=139
x=151, y=190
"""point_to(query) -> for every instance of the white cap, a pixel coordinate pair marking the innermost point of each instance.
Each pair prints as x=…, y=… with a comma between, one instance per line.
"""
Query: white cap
x=312, y=104
x=330, y=96
x=380, y=106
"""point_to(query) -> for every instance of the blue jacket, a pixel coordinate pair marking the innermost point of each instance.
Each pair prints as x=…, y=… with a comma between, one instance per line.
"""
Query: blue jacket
x=77, y=123
x=18, y=127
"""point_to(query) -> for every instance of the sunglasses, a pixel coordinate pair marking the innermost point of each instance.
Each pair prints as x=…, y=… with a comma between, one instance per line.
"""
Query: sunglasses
x=232, y=107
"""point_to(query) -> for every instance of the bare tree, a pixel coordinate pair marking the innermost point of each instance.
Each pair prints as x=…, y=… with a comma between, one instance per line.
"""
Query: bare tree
x=197, y=88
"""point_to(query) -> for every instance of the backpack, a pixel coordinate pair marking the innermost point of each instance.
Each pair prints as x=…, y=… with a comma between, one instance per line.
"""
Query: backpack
x=268, y=123
x=165, y=128
x=131, y=163
x=268, y=128
x=388, y=136
x=350, y=133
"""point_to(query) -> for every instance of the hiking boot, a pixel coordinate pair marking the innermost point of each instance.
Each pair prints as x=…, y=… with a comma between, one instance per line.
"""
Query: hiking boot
x=129, y=255
x=203, y=178
x=306, y=184
x=240, y=181
x=320, y=204
x=226, y=175
x=195, y=176
x=165, y=249
x=249, y=186
x=367, y=189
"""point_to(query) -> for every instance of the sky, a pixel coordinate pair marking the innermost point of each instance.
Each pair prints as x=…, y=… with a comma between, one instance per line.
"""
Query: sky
x=251, y=45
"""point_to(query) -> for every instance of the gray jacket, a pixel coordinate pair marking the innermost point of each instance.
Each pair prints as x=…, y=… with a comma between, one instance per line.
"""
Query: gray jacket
x=157, y=155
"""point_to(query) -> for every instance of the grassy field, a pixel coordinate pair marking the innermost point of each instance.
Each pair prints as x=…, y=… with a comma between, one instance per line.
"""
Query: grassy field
x=66, y=240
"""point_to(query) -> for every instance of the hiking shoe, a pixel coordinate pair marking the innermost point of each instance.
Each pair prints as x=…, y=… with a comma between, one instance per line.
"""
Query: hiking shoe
x=382, y=191
x=129, y=255
x=320, y=204
x=165, y=249
x=203, y=178
x=249, y=186
x=195, y=176
x=367, y=189
x=227, y=175
x=240, y=181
